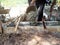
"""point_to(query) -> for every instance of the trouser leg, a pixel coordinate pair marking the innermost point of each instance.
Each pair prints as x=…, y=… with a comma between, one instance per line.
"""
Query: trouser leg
x=40, y=12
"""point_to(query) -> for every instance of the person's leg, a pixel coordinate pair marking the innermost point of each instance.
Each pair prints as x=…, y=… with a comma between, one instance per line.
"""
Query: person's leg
x=40, y=12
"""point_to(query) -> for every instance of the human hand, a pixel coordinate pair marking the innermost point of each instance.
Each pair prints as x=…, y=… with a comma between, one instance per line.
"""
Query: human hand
x=32, y=3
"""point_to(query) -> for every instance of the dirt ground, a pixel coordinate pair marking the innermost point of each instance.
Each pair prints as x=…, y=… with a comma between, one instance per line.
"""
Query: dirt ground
x=30, y=36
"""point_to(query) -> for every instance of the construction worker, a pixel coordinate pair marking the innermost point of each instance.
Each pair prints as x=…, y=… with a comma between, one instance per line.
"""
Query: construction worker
x=40, y=6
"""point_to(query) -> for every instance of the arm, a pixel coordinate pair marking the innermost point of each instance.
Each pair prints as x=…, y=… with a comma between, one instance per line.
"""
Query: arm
x=51, y=8
x=32, y=2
